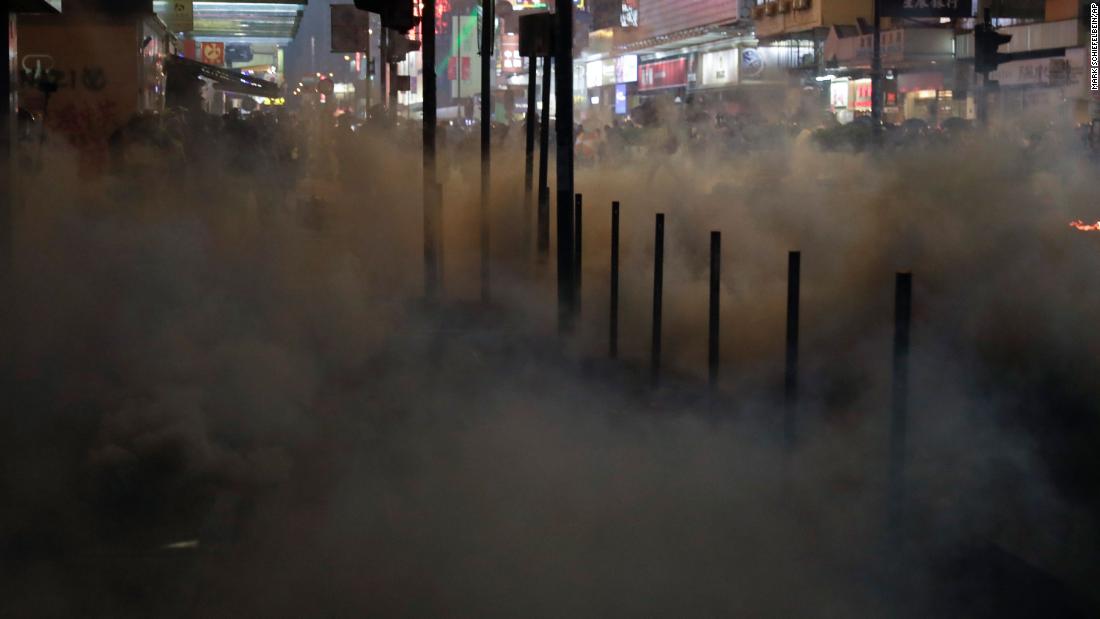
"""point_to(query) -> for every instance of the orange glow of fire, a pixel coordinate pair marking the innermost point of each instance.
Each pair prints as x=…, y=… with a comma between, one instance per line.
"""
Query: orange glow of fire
x=1084, y=227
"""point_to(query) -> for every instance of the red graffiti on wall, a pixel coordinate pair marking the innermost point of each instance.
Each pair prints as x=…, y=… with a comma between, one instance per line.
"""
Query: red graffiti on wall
x=88, y=127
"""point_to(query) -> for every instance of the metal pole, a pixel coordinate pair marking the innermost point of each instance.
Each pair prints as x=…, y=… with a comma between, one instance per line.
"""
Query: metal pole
x=8, y=177
x=488, y=28
x=715, y=313
x=877, y=95
x=370, y=72
x=529, y=167
x=578, y=248
x=614, y=327
x=903, y=301
x=391, y=81
x=658, y=291
x=431, y=193
x=563, y=49
x=790, y=383
x=544, y=163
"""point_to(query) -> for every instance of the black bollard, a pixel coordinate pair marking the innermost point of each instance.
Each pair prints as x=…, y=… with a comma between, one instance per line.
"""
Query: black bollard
x=903, y=301
x=529, y=161
x=544, y=163
x=614, y=327
x=790, y=382
x=715, y=313
x=563, y=72
x=578, y=249
x=658, y=291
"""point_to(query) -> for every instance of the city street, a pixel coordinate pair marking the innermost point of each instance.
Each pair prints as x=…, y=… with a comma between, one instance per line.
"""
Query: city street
x=771, y=310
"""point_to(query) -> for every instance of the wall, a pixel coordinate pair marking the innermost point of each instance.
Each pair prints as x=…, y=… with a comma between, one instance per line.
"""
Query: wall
x=819, y=13
x=99, y=67
x=1061, y=9
x=666, y=16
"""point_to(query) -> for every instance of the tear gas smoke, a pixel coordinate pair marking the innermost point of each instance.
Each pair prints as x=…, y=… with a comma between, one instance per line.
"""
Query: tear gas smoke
x=192, y=359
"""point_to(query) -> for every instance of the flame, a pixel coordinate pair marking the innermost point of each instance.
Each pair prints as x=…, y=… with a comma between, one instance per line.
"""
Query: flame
x=1084, y=227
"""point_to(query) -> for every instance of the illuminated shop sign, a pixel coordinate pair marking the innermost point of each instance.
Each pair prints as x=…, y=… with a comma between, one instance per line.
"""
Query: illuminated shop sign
x=663, y=74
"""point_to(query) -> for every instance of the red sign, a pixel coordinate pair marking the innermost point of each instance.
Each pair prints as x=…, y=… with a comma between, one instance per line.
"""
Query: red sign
x=213, y=53
x=452, y=63
x=863, y=95
x=663, y=74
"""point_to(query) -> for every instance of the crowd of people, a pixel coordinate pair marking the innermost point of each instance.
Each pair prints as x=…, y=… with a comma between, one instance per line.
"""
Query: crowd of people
x=280, y=147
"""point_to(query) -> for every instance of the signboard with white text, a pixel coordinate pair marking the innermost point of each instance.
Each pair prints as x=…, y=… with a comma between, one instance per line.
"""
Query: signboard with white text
x=926, y=8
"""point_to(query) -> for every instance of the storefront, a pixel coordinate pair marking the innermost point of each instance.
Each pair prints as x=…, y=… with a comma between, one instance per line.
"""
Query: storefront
x=1043, y=86
x=86, y=75
x=927, y=96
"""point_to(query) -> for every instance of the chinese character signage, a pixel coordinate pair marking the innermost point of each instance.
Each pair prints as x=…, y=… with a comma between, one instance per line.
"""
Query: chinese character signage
x=511, y=61
x=926, y=8
x=628, y=17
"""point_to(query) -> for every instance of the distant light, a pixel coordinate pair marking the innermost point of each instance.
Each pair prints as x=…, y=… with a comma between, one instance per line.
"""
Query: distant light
x=347, y=57
x=825, y=78
x=595, y=100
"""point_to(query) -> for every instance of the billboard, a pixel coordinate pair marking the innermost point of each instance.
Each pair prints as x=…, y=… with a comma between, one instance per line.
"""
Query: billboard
x=620, y=99
x=213, y=53
x=626, y=69
x=669, y=73
x=464, y=44
x=926, y=8
x=719, y=68
x=628, y=16
x=769, y=63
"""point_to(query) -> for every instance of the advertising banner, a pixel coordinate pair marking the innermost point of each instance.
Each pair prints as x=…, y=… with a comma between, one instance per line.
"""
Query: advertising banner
x=626, y=69
x=668, y=73
x=769, y=63
x=718, y=69
x=213, y=53
x=620, y=99
x=464, y=44
x=925, y=8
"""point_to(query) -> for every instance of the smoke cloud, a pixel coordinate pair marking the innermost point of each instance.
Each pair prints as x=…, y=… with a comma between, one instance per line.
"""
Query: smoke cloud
x=193, y=358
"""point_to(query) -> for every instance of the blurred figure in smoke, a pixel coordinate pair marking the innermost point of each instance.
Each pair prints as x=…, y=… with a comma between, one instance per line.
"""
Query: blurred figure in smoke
x=344, y=145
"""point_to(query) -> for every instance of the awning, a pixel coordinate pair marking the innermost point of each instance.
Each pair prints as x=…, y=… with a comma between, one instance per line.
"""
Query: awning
x=228, y=80
x=252, y=21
